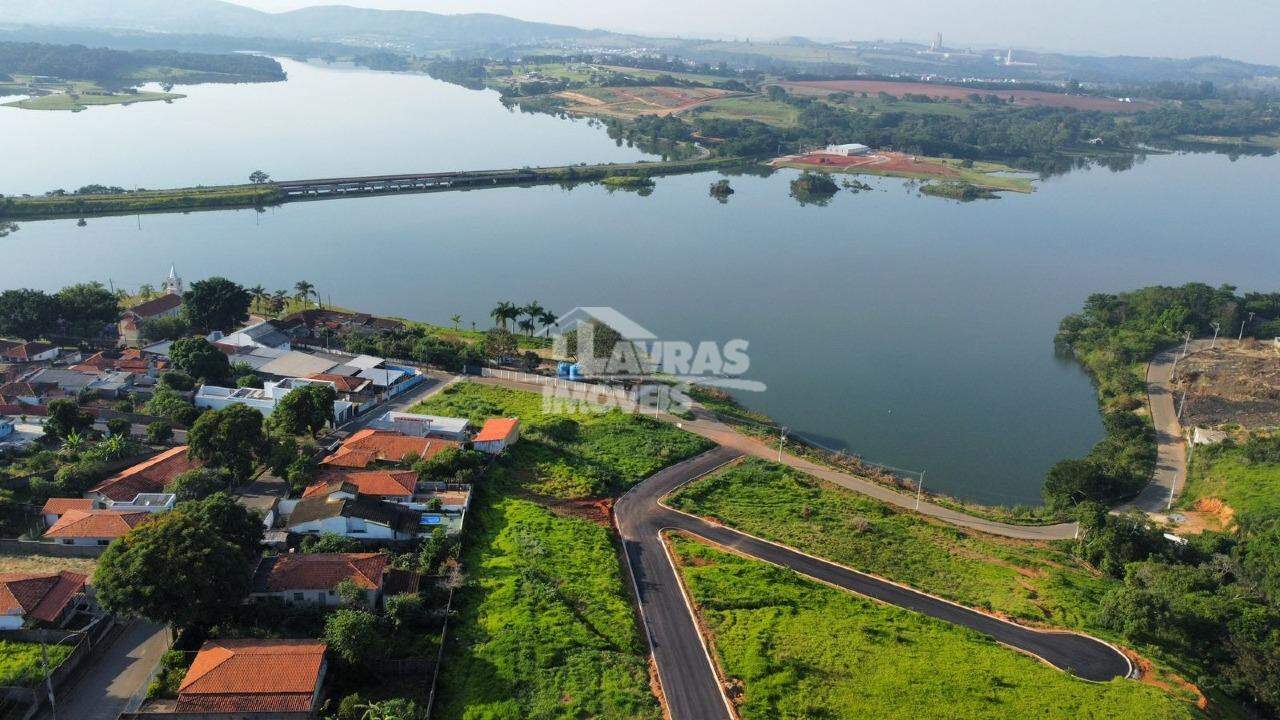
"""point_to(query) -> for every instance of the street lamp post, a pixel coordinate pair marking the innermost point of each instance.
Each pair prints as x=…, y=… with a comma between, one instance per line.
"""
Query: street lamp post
x=919, y=490
x=782, y=436
x=1242, y=324
x=1217, y=327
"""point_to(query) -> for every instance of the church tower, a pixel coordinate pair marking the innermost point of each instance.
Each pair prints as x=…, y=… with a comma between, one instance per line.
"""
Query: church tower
x=173, y=283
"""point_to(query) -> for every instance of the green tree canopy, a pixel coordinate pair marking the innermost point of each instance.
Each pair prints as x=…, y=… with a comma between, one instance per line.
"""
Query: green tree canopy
x=28, y=314
x=85, y=308
x=216, y=304
x=354, y=636
x=229, y=438
x=198, y=484
x=190, y=566
x=198, y=358
x=66, y=417
x=305, y=410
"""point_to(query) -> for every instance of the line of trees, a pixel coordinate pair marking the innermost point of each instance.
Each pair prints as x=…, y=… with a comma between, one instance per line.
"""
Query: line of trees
x=121, y=68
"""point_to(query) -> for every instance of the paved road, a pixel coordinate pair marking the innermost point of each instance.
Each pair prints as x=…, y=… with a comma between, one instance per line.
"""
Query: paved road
x=1171, y=443
x=114, y=676
x=688, y=679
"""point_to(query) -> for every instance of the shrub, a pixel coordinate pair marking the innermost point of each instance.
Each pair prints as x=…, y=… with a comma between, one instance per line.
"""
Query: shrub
x=159, y=433
x=119, y=426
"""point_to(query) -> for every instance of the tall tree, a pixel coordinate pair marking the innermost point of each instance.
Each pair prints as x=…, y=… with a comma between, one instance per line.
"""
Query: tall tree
x=303, y=291
x=28, y=314
x=198, y=358
x=65, y=418
x=229, y=438
x=257, y=293
x=85, y=308
x=305, y=410
x=532, y=312
x=547, y=319
x=502, y=312
x=190, y=566
x=216, y=304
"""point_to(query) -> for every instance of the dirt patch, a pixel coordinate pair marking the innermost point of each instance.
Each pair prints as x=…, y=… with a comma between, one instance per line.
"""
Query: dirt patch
x=888, y=163
x=599, y=512
x=1223, y=513
x=44, y=564
x=1233, y=383
x=1026, y=98
x=634, y=101
x=1168, y=682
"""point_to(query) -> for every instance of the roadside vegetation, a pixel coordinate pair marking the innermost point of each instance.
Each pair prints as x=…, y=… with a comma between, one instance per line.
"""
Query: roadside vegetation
x=1240, y=483
x=798, y=649
x=22, y=664
x=1204, y=611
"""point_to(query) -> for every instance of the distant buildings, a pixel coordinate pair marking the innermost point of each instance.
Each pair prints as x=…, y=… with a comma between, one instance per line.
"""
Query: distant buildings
x=167, y=305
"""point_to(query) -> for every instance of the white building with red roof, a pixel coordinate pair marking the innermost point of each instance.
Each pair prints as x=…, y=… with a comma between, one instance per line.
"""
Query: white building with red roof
x=150, y=476
x=49, y=599
x=248, y=679
x=314, y=578
x=93, y=527
x=496, y=434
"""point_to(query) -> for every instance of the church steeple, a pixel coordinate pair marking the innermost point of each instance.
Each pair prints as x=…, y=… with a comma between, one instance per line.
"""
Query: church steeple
x=173, y=283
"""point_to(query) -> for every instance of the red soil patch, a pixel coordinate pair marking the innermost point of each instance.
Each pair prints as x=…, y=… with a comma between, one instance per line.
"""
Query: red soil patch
x=1031, y=98
x=888, y=162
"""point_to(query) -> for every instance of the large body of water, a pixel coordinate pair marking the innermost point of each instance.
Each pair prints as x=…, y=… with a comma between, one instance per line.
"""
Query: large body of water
x=914, y=331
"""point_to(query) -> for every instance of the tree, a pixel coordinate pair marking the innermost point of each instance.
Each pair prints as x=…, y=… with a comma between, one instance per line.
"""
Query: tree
x=85, y=308
x=168, y=404
x=305, y=410
x=119, y=427
x=198, y=484
x=165, y=328
x=547, y=319
x=75, y=480
x=351, y=594
x=198, y=358
x=354, y=636
x=499, y=343
x=604, y=340
x=258, y=177
x=533, y=313
x=216, y=304
x=456, y=320
x=190, y=566
x=303, y=290
x=504, y=311
x=146, y=291
x=66, y=418
x=229, y=438
x=330, y=543
x=159, y=433
x=258, y=294
x=28, y=314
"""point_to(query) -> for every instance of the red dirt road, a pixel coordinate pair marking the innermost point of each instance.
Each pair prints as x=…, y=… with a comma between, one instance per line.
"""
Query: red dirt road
x=1030, y=98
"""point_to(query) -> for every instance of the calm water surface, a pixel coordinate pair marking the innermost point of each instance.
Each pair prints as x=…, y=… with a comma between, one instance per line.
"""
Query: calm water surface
x=915, y=331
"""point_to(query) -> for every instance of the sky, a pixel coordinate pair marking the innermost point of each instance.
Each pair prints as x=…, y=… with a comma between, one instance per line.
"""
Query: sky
x=1239, y=29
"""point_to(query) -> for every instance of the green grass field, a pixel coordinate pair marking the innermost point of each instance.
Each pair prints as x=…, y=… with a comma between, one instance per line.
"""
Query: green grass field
x=1028, y=581
x=979, y=174
x=76, y=103
x=1222, y=473
x=804, y=650
x=545, y=627
x=751, y=107
x=22, y=664
x=569, y=456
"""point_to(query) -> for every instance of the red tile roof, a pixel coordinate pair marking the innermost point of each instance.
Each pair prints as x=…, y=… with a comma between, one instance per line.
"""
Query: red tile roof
x=383, y=483
x=246, y=676
x=26, y=389
x=156, y=306
x=26, y=350
x=101, y=524
x=19, y=409
x=59, y=506
x=343, y=383
x=149, y=476
x=43, y=596
x=369, y=446
x=496, y=429
x=319, y=571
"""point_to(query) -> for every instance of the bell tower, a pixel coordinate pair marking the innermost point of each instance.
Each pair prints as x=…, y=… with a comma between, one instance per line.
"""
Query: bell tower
x=173, y=283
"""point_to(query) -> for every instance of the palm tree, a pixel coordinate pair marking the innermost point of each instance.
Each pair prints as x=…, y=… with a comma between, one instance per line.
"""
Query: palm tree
x=258, y=293
x=504, y=311
x=533, y=310
x=456, y=320
x=547, y=319
x=277, y=300
x=147, y=291
x=304, y=290
x=526, y=324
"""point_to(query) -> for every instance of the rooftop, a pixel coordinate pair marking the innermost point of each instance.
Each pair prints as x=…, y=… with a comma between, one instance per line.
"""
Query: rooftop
x=42, y=596
x=368, y=446
x=58, y=506
x=319, y=571
x=103, y=524
x=156, y=306
x=381, y=483
x=247, y=676
x=149, y=476
x=497, y=429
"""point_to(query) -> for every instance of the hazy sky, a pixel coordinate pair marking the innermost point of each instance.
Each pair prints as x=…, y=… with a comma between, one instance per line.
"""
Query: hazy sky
x=1241, y=29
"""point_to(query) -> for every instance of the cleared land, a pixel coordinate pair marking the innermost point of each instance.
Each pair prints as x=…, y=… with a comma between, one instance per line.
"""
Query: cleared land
x=990, y=176
x=1223, y=486
x=751, y=107
x=1028, y=98
x=630, y=102
x=45, y=563
x=796, y=649
x=1231, y=384
x=75, y=102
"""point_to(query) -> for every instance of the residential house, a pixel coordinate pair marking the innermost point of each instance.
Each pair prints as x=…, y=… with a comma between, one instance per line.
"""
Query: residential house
x=496, y=434
x=389, y=485
x=145, y=502
x=322, y=327
x=44, y=599
x=130, y=360
x=351, y=388
x=68, y=381
x=423, y=425
x=259, y=335
x=266, y=399
x=29, y=393
x=28, y=352
x=93, y=527
x=295, y=364
x=254, y=680
x=130, y=326
x=6, y=427
x=55, y=508
x=353, y=515
x=152, y=475
x=369, y=447
x=314, y=578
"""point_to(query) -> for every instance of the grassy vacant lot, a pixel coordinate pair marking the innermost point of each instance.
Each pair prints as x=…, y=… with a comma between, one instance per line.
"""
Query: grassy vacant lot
x=1243, y=488
x=22, y=664
x=751, y=107
x=569, y=456
x=45, y=563
x=804, y=650
x=979, y=174
x=78, y=102
x=545, y=628
x=1028, y=581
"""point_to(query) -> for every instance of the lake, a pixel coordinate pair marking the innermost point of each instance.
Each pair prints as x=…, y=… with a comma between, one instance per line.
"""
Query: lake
x=914, y=331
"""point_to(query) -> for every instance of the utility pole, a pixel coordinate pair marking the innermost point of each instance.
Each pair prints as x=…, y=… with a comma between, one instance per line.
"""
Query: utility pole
x=1217, y=327
x=1186, y=342
x=919, y=490
x=1242, y=324
x=1182, y=403
x=781, y=437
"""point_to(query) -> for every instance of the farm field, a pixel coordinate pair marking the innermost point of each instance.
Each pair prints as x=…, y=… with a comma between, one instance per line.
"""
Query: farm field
x=797, y=649
x=630, y=102
x=751, y=107
x=893, y=164
x=1027, y=98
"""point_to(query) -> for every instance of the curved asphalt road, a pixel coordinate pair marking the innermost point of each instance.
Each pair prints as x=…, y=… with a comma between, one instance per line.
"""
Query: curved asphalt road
x=688, y=679
x=1171, y=444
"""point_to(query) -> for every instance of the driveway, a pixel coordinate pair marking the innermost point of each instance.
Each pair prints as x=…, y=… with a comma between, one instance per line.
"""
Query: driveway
x=685, y=670
x=114, y=675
